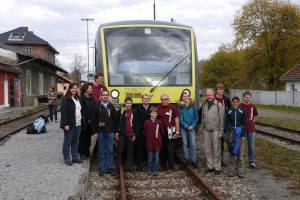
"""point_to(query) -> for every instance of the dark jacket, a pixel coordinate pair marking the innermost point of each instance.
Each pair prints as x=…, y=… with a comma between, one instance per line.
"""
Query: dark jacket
x=68, y=113
x=235, y=118
x=87, y=104
x=105, y=116
x=143, y=115
x=120, y=122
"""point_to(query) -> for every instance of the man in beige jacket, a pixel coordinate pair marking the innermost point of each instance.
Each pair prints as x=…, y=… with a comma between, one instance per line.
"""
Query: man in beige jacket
x=212, y=122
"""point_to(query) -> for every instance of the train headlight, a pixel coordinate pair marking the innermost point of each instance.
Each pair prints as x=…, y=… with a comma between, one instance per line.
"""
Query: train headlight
x=114, y=93
x=186, y=91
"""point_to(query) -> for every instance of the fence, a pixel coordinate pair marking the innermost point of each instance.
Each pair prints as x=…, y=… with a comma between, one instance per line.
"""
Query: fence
x=286, y=98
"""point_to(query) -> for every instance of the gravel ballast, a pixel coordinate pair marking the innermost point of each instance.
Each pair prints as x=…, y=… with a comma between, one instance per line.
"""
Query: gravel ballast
x=32, y=167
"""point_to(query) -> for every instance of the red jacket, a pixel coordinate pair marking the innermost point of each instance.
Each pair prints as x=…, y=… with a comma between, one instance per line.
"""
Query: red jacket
x=153, y=132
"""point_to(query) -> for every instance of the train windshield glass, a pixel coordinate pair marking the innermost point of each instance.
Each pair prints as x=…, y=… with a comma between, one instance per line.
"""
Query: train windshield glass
x=144, y=55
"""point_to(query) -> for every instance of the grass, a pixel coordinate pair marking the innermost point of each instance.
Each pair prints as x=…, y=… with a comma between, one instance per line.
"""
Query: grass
x=284, y=162
x=286, y=109
x=284, y=124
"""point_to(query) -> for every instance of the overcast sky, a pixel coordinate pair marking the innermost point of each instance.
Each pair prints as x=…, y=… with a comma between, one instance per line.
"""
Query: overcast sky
x=59, y=21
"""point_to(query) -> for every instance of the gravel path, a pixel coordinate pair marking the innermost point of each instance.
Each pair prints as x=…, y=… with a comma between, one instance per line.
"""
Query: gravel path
x=32, y=167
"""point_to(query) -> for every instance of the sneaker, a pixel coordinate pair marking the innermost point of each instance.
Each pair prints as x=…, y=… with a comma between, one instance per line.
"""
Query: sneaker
x=56, y=121
x=149, y=173
x=68, y=162
x=253, y=166
x=241, y=175
x=77, y=161
x=155, y=173
x=209, y=170
x=230, y=174
x=217, y=172
x=101, y=172
x=83, y=157
x=195, y=165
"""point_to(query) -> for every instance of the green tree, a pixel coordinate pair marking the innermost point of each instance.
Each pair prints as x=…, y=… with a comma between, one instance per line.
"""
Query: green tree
x=223, y=67
x=268, y=32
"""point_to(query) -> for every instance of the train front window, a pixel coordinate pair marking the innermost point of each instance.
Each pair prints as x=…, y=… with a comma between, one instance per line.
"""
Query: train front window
x=144, y=55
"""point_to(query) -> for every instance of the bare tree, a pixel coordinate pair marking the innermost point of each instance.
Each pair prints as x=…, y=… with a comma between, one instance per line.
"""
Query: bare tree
x=78, y=66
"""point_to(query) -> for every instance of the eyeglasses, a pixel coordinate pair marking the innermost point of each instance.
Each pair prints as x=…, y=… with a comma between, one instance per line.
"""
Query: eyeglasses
x=235, y=101
x=164, y=99
x=104, y=95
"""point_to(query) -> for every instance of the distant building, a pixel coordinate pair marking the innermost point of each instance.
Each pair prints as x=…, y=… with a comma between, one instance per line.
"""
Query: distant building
x=292, y=79
x=62, y=83
x=27, y=68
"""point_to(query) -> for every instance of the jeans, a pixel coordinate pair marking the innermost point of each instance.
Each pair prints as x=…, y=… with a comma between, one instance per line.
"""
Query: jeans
x=71, y=138
x=153, y=159
x=250, y=138
x=188, y=138
x=53, y=111
x=105, y=151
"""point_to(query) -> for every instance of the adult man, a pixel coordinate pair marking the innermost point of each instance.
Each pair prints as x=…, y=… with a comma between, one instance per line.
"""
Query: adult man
x=168, y=114
x=224, y=100
x=212, y=122
x=97, y=87
x=103, y=130
x=251, y=113
x=140, y=144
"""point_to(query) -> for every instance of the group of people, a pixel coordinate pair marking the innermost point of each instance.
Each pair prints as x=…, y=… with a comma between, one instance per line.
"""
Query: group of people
x=230, y=121
x=150, y=133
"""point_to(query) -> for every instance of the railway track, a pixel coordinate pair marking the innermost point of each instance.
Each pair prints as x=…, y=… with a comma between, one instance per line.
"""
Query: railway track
x=184, y=183
x=284, y=134
x=19, y=123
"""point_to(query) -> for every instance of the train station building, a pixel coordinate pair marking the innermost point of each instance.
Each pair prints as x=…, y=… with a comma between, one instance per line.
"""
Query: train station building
x=27, y=68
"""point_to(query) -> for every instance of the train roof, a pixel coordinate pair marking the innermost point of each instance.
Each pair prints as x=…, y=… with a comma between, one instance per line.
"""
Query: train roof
x=152, y=22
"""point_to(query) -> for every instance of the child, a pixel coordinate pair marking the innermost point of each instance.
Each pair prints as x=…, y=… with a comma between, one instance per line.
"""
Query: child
x=236, y=122
x=153, y=130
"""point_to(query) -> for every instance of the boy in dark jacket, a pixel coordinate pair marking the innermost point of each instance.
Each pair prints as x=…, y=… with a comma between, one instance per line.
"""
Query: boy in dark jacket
x=127, y=126
x=235, y=121
x=153, y=130
x=103, y=129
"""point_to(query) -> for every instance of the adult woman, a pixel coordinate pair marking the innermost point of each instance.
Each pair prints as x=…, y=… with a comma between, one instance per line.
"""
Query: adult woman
x=87, y=103
x=52, y=103
x=71, y=121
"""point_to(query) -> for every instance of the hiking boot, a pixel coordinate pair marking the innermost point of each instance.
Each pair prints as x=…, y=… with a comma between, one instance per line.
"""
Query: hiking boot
x=68, y=162
x=139, y=167
x=149, y=173
x=223, y=164
x=77, y=161
x=170, y=171
x=195, y=165
x=209, y=170
x=101, y=172
x=155, y=173
x=217, y=172
x=241, y=175
x=253, y=166
x=186, y=163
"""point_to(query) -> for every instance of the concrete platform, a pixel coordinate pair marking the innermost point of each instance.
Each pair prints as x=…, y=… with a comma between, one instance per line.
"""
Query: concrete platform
x=32, y=167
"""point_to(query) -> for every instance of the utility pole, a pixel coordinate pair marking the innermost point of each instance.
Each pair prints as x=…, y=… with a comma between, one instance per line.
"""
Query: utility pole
x=154, y=10
x=87, y=32
x=93, y=59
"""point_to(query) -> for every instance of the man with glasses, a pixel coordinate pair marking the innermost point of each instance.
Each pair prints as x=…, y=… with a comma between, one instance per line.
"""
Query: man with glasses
x=168, y=114
x=103, y=129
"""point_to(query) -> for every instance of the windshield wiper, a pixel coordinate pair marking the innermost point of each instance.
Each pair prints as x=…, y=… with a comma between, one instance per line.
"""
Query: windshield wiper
x=152, y=89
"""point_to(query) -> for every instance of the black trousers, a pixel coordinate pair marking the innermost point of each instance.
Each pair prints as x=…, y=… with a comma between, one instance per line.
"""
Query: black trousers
x=85, y=141
x=122, y=142
x=140, y=151
x=167, y=152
